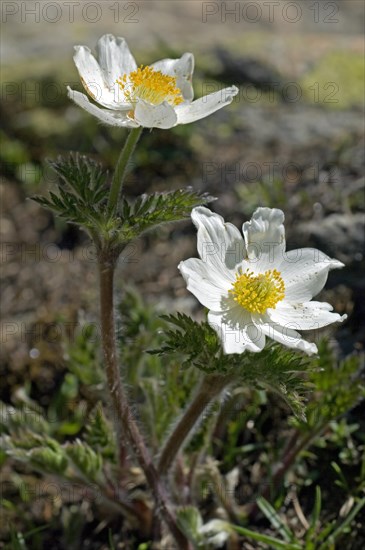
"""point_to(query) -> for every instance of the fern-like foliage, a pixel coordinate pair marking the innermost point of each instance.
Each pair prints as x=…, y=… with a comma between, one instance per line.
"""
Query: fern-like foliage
x=83, y=175
x=43, y=453
x=81, y=195
x=47, y=455
x=278, y=369
x=14, y=420
x=275, y=367
x=49, y=459
x=339, y=386
x=152, y=210
x=99, y=434
x=196, y=341
x=84, y=361
x=85, y=459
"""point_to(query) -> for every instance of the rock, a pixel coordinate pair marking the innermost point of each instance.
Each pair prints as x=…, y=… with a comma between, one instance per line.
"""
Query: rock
x=243, y=70
x=341, y=236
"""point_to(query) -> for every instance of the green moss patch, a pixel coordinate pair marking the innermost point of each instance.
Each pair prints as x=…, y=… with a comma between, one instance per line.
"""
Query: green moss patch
x=337, y=81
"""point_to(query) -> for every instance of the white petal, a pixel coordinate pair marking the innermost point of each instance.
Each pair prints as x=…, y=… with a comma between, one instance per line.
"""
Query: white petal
x=306, y=316
x=155, y=116
x=205, y=106
x=205, y=283
x=93, y=79
x=305, y=272
x=115, y=58
x=237, y=331
x=265, y=238
x=215, y=532
x=113, y=118
x=284, y=335
x=182, y=69
x=220, y=244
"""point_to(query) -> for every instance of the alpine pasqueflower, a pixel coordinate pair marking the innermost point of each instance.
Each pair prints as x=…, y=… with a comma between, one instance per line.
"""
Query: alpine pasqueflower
x=253, y=287
x=155, y=96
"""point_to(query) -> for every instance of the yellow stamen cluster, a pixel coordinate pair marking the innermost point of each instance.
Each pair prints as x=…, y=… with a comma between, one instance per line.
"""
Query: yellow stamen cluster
x=257, y=293
x=150, y=85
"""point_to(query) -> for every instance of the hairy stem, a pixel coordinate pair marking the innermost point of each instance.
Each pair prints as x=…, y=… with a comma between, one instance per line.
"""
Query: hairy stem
x=121, y=168
x=210, y=387
x=127, y=428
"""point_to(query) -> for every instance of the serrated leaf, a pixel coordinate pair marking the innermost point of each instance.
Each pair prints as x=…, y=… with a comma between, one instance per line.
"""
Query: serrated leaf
x=84, y=176
x=278, y=369
x=197, y=341
x=85, y=459
x=51, y=460
x=151, y=211
x=44, y=453
x=15, y=420
x=327, y=376
x=275, y=368
x=83, y=360
x=81, y=195
x=99, y=434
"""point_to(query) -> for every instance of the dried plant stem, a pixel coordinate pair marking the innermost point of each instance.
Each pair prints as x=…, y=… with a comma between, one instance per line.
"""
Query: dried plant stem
x=210, y=387
x=127, y=428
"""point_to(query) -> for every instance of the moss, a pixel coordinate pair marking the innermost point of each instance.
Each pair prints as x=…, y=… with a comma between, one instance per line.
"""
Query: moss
x=44, y=122
x=13, y=151
x=337, y=81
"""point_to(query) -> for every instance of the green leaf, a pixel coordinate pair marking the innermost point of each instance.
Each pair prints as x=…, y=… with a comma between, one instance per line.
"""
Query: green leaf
x=327, y=376
x=341, y=480
x=271, y=541
x=276, y=368
x=274, y=518
x=14, y=420
x=51, y=460
x=83, y=175
x=340, y=529
x=84, y=360
x=85, y=459
x=151, y=211
x=42, y=452
x=99, y=434
x=314, y=521
x=190, y=522
x=81, y=195
x=197, y=341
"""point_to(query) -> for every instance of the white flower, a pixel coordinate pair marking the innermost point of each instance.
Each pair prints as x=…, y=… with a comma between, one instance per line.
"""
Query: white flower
x=156, y=96
x=216, y=532
x=253, y=287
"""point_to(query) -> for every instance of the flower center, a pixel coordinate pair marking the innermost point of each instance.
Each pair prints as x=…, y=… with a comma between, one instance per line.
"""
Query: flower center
x=257, y=293
x=150, y=85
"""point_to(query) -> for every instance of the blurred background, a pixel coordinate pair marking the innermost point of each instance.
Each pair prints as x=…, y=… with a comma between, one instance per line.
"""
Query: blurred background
x=293, y=139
